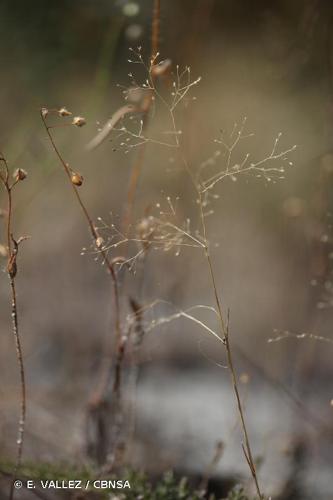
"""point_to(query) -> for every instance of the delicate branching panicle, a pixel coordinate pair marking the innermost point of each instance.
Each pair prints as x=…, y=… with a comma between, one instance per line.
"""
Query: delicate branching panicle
x=10, y=251
x=128, y=124
x=270, y=168
x=160, y=231
x=286, y=334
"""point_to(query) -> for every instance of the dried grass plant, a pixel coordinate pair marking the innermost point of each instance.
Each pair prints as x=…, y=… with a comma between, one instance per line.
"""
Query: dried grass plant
x=129, y=245
x=11, y=250
x=162, y=232
x=100, y=407
x=97, y=404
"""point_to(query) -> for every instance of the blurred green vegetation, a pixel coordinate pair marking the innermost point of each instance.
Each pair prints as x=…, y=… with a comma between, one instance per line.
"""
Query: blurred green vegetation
x=166, y=488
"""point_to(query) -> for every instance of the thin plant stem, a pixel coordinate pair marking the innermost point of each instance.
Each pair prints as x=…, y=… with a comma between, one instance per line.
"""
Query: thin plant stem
x=247, y=447
x=138, y=165
x=155, y=32
x=12, y=249
x=224, y=329
x=19, y=356
x=102, y=251
x=224, y=326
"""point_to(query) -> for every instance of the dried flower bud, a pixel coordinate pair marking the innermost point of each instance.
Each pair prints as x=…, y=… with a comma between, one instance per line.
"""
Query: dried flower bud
x=77, y=179
x=44, y=112
x=64, y=112
x=79, y=121
x=99, y=242
x=20, y=174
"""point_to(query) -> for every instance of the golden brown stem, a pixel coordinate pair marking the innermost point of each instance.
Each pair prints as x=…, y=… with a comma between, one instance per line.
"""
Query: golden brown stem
x=94, y=234
x=155, y=32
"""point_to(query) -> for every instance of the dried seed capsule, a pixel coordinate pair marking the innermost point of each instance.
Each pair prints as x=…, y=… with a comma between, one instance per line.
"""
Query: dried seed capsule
x=64, y=112
x=79, y=121
x=20, y=174
x=76, y=179
x=99, y=242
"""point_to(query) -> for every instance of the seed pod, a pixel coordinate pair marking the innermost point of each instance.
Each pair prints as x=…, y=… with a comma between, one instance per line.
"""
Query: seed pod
x=76, y=179
x=64, y=112
x=99, y=242
x=79, y=121
x=20, y=174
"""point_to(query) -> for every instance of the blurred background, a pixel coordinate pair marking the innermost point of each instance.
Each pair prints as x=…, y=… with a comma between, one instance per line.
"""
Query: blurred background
x=271, y=243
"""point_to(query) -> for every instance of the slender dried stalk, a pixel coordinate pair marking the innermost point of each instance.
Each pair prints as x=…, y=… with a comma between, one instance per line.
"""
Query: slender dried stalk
x=12, y=249
x=131, y=197
x=224, y=331
x=136, y=168
x=19, y=356
x=224, y=325
x=95, y=237
x=155, y=32
x=247, y=447
x=132, y=185
x=138, y=165
x=131, y=192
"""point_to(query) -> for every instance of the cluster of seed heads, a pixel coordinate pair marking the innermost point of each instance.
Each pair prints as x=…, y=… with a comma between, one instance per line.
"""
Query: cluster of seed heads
x=63, y=112
x=77, y=121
